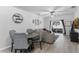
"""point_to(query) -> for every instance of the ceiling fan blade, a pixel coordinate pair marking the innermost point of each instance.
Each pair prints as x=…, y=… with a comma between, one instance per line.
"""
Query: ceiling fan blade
x=66, y=11
x=44, y=11
x=63, y=13
x=50, y=9
x=63, y=8
x=44, y=14
x=55, y=8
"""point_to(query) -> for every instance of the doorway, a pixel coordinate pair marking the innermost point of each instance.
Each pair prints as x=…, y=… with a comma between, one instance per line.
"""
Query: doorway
x=58, y=27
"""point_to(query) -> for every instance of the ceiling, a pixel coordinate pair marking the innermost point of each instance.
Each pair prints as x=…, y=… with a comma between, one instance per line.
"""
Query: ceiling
x=41, y=9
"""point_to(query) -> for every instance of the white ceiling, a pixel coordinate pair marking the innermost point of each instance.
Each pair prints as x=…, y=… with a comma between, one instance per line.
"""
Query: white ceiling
x=34, y=9
x=41, y=9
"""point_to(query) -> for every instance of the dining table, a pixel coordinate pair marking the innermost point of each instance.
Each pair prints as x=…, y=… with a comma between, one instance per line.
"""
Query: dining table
x=32, y=35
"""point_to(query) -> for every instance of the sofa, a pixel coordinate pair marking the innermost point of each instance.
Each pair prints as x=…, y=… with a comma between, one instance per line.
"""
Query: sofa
x=73, y=35
x=46, y=35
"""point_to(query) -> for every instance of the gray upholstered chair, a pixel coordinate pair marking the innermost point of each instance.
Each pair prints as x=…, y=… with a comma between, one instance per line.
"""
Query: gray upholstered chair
x=30, y=31
x=11, y=32
x=39, y=31
x=20, y=42
x=38, y=38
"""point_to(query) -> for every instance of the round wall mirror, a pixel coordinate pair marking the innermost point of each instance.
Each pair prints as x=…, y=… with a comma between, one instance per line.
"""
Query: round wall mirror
x=17, y=18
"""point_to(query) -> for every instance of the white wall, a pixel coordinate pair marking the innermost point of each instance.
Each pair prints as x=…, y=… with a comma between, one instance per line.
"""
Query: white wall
x=46, y=22
x=66, y=17
x=7, y=24
x=77, y=12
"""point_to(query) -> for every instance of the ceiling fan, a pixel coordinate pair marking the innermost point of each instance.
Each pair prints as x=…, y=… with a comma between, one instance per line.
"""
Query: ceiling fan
x=54, y=11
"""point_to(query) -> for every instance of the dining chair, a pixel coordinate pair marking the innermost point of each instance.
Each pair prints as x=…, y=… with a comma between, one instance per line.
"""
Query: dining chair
x=36, y=39
x=21, y=42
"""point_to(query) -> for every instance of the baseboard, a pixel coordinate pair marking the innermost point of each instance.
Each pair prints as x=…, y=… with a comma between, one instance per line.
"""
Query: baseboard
x=5, y=48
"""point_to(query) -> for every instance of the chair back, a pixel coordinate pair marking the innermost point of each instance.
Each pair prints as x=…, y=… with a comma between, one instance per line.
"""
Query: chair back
x=11, y=32
x=30, y=31
x=40, y=32
x=20, y=41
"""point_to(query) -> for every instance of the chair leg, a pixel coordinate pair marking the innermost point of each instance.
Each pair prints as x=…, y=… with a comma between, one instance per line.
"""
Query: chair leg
x=15, y=50
x=32, y=46
x=21, y=50
x=41, y=45
x=12, y=48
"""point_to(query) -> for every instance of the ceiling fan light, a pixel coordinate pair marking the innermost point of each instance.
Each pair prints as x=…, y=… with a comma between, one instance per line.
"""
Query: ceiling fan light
x=52, y=16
